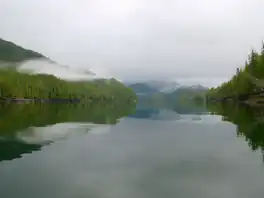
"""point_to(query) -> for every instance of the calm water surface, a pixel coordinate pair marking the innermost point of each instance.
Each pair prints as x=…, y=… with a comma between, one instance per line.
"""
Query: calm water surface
x=165, y=155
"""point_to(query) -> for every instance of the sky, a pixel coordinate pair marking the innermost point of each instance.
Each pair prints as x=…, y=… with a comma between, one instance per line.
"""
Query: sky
x=190, y=41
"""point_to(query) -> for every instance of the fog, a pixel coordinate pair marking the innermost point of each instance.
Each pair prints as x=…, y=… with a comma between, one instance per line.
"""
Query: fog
x=44, y=66
x=192, y=41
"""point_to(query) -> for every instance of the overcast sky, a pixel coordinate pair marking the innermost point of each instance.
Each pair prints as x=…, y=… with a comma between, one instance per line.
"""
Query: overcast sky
x=189, y=40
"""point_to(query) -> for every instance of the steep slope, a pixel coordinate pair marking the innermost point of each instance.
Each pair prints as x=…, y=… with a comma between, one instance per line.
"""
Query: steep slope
x=30, y=74
x=44, y=66
x=10, y=52
x=31, y=62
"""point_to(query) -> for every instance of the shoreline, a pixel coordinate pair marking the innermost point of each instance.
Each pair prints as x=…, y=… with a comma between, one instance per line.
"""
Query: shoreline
x=53, y=100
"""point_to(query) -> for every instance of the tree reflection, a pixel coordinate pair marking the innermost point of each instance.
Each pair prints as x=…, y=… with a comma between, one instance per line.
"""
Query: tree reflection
x=249, y=122
x=17, y=118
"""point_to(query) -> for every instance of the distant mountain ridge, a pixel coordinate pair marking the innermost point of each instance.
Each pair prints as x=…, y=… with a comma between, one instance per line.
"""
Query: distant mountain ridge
x=150, y=87
x=166, y=87
x=142, y=88
x=179, y=98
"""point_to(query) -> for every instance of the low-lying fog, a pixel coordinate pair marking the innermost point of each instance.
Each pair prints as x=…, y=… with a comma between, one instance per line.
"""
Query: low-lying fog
x=44, y=66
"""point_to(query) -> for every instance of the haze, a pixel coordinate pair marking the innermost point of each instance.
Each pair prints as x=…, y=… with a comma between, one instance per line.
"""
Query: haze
x=190, y=41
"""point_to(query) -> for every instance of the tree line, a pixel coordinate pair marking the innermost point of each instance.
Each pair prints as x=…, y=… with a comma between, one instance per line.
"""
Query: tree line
x=14, y=84
x=240, y=83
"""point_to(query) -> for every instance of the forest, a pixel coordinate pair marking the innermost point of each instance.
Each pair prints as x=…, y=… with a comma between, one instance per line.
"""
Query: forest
x=41, y=86
x=241, y=83
x=10, y=52
x=14, y=84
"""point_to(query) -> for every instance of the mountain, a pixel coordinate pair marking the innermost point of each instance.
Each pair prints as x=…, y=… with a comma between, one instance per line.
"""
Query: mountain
x=182, y=94
x=10, y=52
x=184, y=100
x=44, y=66
x=150, y=87
x=31, y=62
x=28, y=61
x=185, y=94
x=164, y=86
x=53, y=80
x=142, y=88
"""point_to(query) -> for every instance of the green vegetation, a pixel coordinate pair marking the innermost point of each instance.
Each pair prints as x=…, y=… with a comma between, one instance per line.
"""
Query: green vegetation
x=249, y=121
x=10, y=52
x=14, y=84
x=15, y=117
x=20, y=85
x=242, y=82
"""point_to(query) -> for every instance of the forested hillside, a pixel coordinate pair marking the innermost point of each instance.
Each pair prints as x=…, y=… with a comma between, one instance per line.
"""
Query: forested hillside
x=20, y=85
x=42, y=86
x=241, y=82
x=10, y=52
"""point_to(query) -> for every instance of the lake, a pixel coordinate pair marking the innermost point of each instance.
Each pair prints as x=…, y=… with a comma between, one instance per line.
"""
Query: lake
x=111, y=152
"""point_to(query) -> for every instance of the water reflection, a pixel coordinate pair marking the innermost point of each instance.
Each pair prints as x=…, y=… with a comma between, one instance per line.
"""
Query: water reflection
x=12, y=149
x=25, y=128
x=136, y=158
x=155, y=114
x=249, y=122
x=150, y=113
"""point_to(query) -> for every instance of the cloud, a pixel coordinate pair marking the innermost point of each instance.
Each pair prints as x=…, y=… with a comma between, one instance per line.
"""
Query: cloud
x=139, y=39
x=43, y=66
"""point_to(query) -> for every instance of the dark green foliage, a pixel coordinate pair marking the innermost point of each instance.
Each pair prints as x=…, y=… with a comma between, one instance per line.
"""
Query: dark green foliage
x=15, y=117
x=10, y=52
x=249, y=121
x=42, y=86
x=240, y=83
x=21, y=85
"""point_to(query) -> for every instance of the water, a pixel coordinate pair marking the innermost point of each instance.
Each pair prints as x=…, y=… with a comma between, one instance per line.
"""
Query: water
x=145, y=155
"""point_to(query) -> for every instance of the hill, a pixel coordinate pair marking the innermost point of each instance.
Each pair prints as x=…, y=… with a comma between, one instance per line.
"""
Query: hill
x=142, y=88
x=150, y=87
x=41, y=85
x=185, y=93
x=10, y=52
x=164, y=86
x=183, y=100
x=245, y=80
